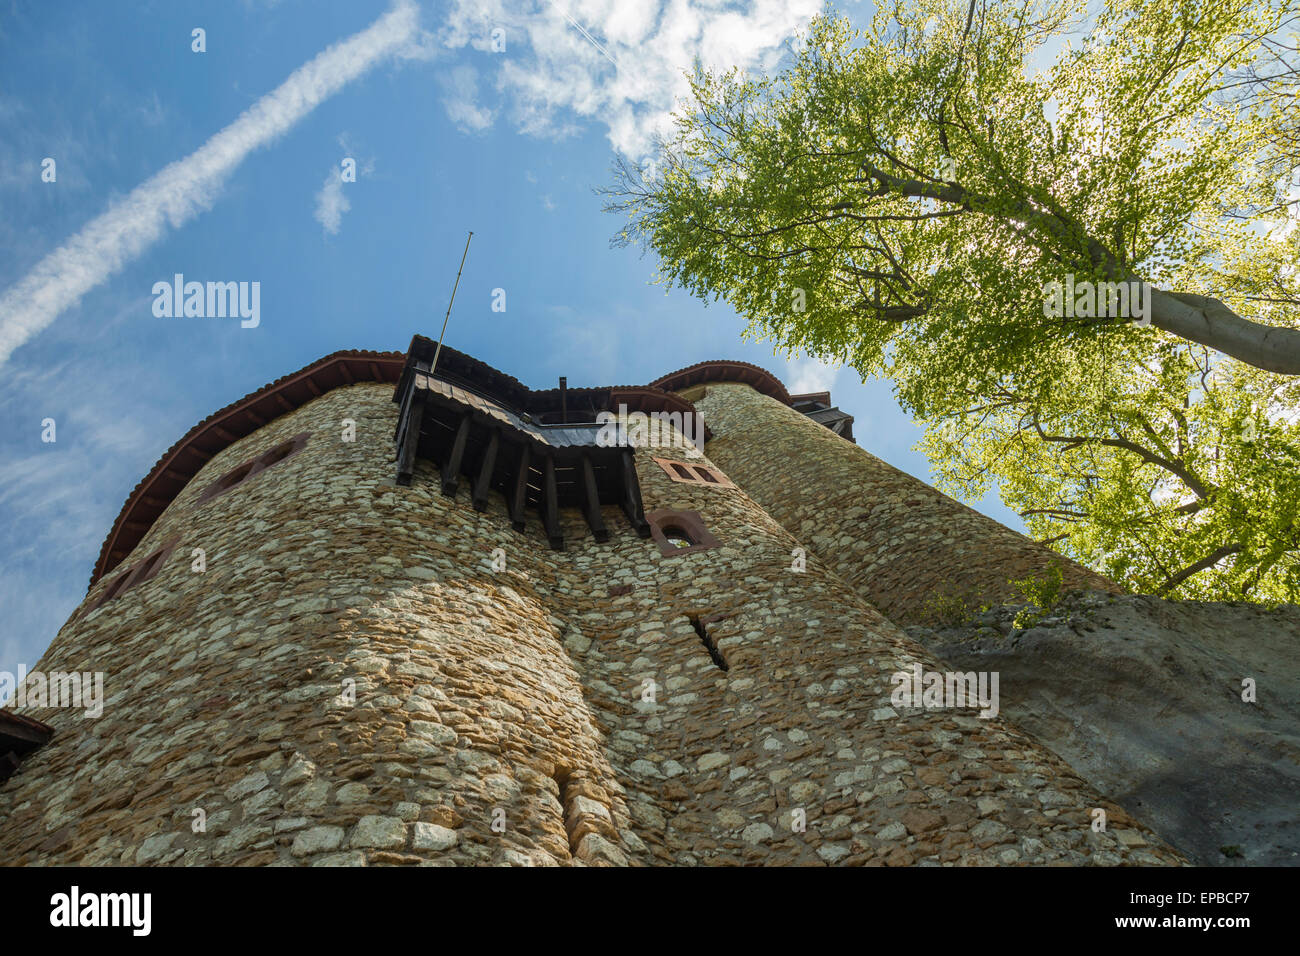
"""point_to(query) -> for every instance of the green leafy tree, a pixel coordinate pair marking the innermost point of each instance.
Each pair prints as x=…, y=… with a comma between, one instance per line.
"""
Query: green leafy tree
x=902, y=199
x=1180, y=477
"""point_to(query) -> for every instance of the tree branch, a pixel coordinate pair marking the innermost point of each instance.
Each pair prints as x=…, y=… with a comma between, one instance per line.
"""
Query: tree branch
x=1211, y=559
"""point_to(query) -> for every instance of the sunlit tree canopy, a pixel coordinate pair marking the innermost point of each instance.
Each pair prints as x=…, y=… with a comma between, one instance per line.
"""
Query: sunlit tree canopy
x=903, y=200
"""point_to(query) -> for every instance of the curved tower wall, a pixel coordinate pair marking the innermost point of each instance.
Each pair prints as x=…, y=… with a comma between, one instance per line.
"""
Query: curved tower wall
x=513, y=704
x=895, y=539
x=227, y=687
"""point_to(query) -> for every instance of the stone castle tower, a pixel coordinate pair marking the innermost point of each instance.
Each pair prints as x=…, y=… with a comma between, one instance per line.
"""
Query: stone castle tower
x=370, y=615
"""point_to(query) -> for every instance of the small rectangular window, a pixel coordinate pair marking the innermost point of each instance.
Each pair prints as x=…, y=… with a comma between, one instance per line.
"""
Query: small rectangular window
x=272, y=456
x=138, y=573
x=692, y=474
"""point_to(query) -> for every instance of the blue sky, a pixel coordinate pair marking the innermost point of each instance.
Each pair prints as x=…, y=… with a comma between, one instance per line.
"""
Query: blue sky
x=448, y=135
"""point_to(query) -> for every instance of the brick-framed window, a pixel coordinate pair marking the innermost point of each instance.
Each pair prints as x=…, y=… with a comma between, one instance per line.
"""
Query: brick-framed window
x=272, y=456
x=692, y=473
x=679, y=532
x=142, y=571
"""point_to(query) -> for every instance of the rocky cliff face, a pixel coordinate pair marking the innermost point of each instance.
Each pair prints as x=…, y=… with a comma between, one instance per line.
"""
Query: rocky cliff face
x=1143, y=697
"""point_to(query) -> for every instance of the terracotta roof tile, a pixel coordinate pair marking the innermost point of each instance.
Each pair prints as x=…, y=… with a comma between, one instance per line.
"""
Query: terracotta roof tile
x=725, y=370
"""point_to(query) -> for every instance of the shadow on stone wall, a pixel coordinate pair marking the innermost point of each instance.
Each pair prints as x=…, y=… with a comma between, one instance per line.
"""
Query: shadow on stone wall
x=1143, y=697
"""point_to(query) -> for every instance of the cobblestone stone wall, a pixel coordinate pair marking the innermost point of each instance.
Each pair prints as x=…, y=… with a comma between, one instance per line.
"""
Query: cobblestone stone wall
x=893, y=538
x=559, y=708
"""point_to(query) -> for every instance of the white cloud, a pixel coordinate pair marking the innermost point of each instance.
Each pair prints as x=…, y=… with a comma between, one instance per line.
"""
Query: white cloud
x=461, y=100
x=183, y=189
x=553, y=73
x=331, y=204
x=331, y=201
x=809, y=375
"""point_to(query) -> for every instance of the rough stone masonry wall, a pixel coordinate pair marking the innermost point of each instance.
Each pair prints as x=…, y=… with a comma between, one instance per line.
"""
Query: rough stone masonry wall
x=1143, y=697
x=895, y=539
x=519, y=697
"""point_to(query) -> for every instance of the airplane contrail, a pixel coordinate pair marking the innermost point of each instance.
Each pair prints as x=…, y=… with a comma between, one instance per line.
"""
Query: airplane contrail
x=183, y=189
x=590, y=39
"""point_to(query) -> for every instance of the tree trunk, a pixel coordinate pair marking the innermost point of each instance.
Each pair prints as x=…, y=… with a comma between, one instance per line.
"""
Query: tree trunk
x=1208, y=321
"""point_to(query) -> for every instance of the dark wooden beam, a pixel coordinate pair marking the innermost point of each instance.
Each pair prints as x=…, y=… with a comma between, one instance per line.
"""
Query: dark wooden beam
x=15, y=732
x=345, y=372
x=631, y=500
x=591, y=499
x=403, y=411
x=284, y=402
x=22, y=736
x=310, y=382
x=551, y=506
x=483, y=483
x=451, y=467
x=409, y=438
x=519, y=495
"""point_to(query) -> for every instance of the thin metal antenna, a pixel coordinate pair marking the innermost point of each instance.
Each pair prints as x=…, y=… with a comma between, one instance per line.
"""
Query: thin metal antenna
x=438, y=350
